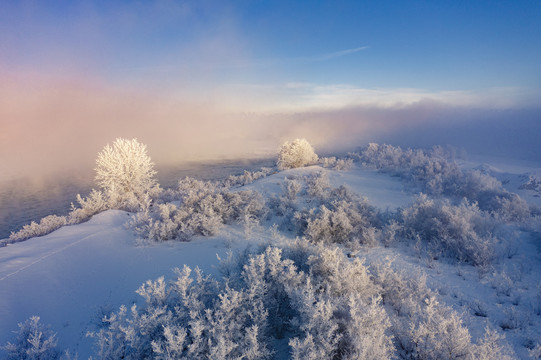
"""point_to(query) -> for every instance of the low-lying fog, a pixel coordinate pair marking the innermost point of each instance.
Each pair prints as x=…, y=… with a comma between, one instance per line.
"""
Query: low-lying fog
x=50, y=137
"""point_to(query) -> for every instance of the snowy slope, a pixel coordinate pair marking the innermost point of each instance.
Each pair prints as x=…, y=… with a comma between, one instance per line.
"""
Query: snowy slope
x=513, y=174
x=75, y=275
x=381, y=190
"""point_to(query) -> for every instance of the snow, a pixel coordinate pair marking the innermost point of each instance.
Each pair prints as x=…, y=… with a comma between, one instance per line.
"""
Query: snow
x=381, y=190
x=468, y=290
x=512, y=173
x=77, y=274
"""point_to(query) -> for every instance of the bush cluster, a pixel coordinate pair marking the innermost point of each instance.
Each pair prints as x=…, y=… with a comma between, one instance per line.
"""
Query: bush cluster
x=329, y=312
x=247, y=177
x=46, y=225
x=312, y=297
x=336, y=164
x=436, y=174
x=463, y=231
x=203, y=208
x=310, y=207
x=33, y=341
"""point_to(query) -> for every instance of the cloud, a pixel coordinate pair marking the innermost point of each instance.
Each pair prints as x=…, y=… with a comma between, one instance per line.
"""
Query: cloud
x=299, y=60
x=337, y=54
x=305, y=97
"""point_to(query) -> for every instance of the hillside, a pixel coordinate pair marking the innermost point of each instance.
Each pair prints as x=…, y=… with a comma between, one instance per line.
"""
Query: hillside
x=377, y=261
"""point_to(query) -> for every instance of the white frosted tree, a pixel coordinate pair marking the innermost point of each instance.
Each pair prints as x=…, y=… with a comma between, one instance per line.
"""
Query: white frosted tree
x=296, y=153
x=126, y=173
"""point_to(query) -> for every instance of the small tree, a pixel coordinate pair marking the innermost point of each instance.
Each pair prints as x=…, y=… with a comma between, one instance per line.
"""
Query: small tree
x=126, y=173
x=296, y=153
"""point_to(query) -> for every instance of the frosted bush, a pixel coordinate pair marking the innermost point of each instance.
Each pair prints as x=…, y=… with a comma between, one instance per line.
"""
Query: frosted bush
x=390, y=232
x=321, y=303
x=474, y=182
x=34, y=341
x=437, y=333
x=327, y=312
x=334, y=273
x=463, y=232
x=436, y=174
x=336, y=164
x=511, y=207
x=291, y=188
x=492, y=346
x=333, y=214
x=247, y=177
x=294, y=154
x=400, y=291
x=126, y=173
x=425, y=329
x=204, y=208
x=89, y=206
x=345, y=219
x=416, y=165
x=318, y=185
x=193, y=318
x=329, y=226
x=46, y=226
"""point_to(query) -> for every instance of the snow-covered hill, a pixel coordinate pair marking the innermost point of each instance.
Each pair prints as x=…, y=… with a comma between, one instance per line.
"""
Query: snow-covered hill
x=77, y=274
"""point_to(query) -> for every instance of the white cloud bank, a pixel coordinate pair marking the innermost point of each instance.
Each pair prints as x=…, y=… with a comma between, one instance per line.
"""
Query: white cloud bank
x=300, y=97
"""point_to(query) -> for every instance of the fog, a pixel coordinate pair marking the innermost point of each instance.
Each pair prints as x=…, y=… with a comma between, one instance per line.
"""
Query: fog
x=49, y=128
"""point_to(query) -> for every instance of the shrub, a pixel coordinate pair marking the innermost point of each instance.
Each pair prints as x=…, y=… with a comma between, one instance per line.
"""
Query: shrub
x=296, y=153
x=345, y=218
x=318, y=185
x=437, y=333
x=247, y=177
x=204, y=208
x=34, y=341
x=463, y=232
x=89, y=206
x=436, y=174
x=336, y=164
x=291, y=188
x=327, y=312
x=126, y=174
x=46, y=225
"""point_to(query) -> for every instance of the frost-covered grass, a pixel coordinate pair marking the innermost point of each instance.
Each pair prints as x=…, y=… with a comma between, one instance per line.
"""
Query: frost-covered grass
x=344, y=260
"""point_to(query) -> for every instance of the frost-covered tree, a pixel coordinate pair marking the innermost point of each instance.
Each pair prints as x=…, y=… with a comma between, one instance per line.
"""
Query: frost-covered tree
x=125, y=172
x=296, y=153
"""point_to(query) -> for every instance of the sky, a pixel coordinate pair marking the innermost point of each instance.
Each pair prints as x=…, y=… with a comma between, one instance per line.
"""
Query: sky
x=198, y=80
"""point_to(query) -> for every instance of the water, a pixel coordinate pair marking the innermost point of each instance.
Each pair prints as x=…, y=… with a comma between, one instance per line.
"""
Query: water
x=26, y=200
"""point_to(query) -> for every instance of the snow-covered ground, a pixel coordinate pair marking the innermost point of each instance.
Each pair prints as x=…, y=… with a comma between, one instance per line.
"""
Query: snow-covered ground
x=77, y=274
x=514, y=174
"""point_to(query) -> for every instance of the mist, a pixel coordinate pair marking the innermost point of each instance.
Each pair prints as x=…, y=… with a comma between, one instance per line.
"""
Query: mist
x=50, y=128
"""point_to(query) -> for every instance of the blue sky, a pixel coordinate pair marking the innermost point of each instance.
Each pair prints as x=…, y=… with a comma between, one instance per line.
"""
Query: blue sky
x=429, y=45
x=237, y=77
